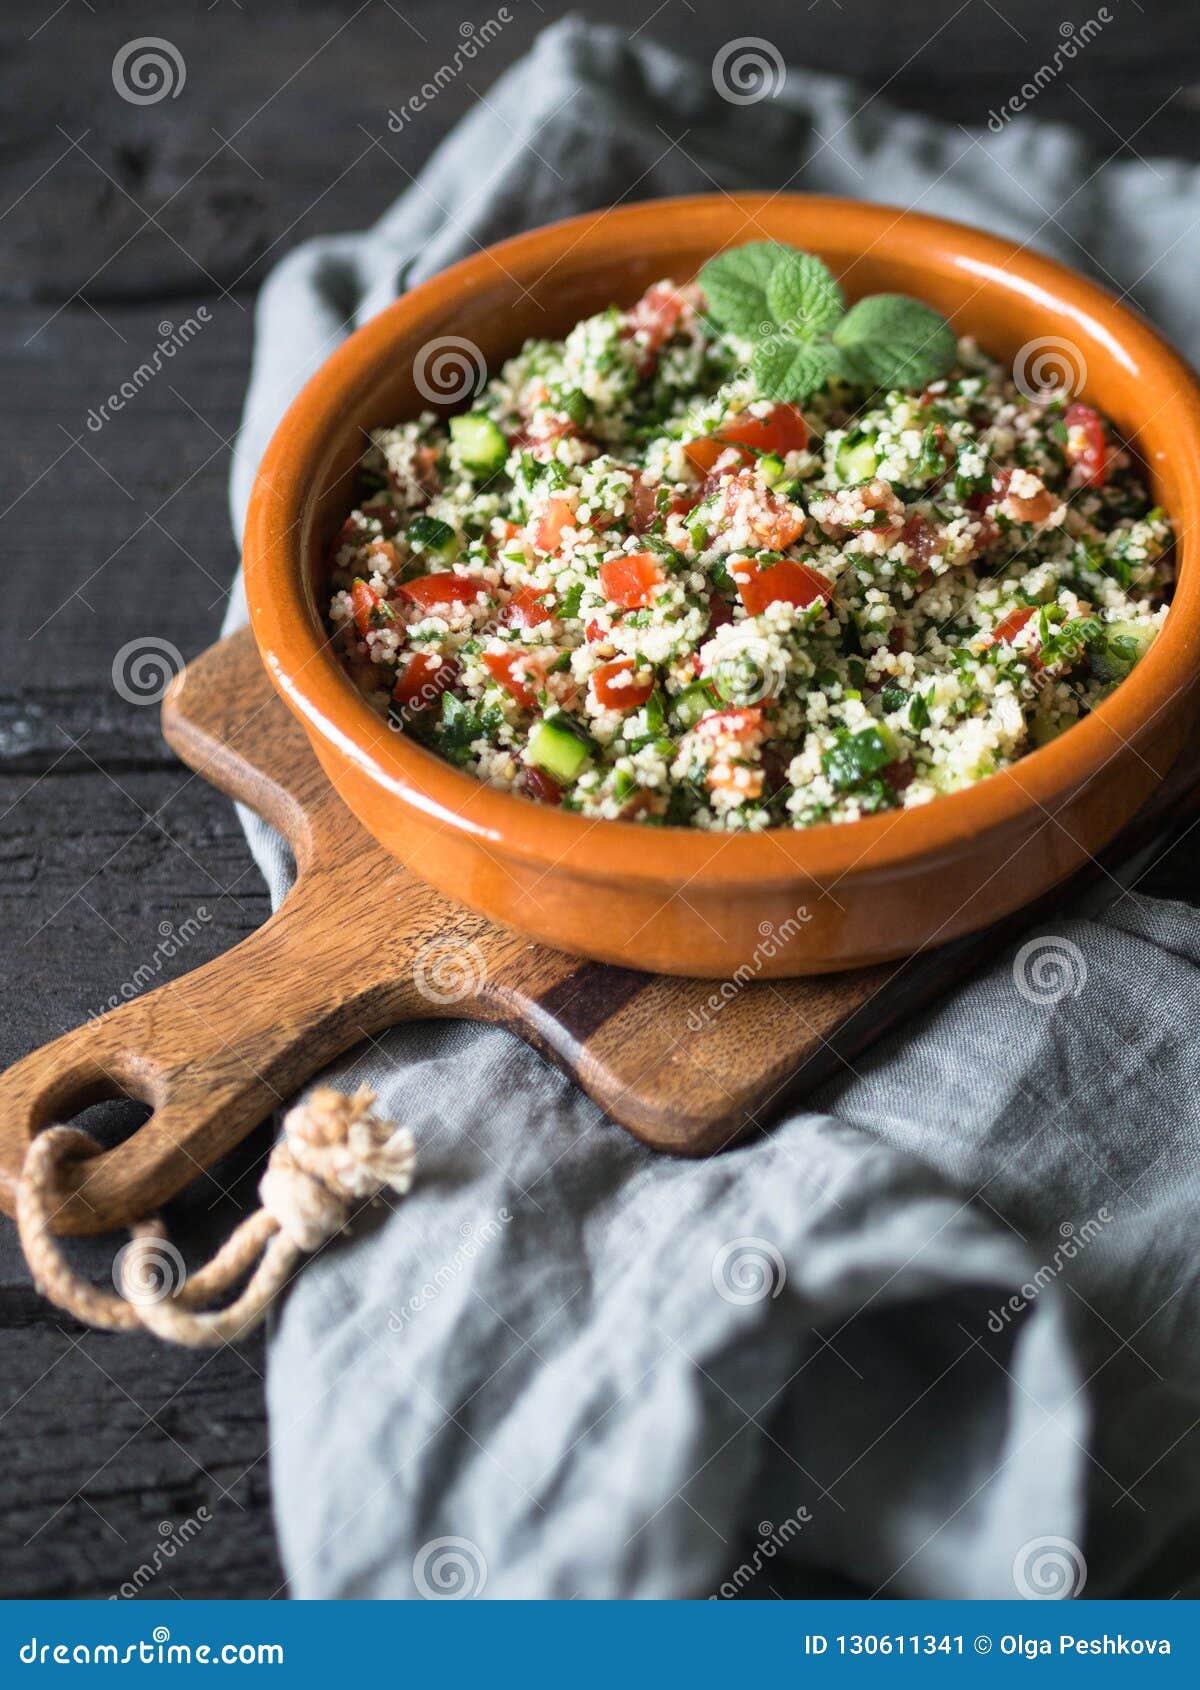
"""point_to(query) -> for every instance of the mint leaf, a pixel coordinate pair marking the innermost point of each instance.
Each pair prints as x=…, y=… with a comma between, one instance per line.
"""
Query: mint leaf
x=735, y=286
x=803, y=296
x=889, y=340
x=793, y=370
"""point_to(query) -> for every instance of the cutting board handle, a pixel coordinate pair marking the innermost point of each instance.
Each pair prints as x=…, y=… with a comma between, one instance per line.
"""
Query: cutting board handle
x=212, y=1053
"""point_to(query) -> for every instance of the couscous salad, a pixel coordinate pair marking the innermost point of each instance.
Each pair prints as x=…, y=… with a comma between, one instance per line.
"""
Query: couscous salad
x=741, y=558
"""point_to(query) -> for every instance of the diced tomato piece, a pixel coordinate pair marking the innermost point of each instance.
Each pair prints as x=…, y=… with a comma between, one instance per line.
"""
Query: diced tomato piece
x=423, y=680
x=351, y=533
x=735, y=444
x=368, y=607
x=430, y=591
x=548, y=530
x=983, y=504
x=1087, y=449
x=658, y=311
x=547, y=426
x=782, y=430
x=630, y=581
x=382, y=555
x=540, y=786
x=720, y=613
x=772, y=522
x=785, y=582
x=645, y=509
x=617, y=692
x=655, y=316
x=644, y=504
x=1010, y=626
x=391, y=518
x=900, y=776
x=920, y=536
x=520, y=673
x=426, y=458
x=1037, y=506
x=594, y=632
x=526, y=608
x=705, y=453
x=544, y=430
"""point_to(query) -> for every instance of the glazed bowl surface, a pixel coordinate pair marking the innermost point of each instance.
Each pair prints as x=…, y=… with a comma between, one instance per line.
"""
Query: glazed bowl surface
x=779, y=902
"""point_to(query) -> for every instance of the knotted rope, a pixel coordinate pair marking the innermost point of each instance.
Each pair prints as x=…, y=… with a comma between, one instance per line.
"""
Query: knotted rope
x=335, y=1152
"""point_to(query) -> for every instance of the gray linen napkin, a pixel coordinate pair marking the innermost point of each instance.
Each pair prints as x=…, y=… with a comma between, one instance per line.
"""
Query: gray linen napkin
x=932, y=1336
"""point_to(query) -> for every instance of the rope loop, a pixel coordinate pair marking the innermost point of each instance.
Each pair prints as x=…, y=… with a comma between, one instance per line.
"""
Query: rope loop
x=336, y=1151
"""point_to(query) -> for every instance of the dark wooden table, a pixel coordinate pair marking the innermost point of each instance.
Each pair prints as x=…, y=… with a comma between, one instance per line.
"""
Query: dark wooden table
x=119, y=222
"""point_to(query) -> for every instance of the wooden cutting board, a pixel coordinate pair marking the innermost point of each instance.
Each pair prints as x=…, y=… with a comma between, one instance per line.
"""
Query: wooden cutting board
x=360, y=944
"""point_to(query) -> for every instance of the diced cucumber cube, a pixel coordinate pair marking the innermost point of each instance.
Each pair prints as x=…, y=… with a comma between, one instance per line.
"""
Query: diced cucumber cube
x=857, y=460
x=557, y=750
x=693, y=702
x=771, y=469
x=1121, y=645
x=432, y=537
x=482, y=447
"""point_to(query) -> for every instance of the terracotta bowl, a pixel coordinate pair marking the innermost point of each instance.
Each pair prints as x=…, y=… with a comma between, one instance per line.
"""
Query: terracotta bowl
x=673, y=899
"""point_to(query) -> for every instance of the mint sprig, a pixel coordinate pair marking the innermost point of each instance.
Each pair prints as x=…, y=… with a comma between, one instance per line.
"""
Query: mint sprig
x=792, y=370
x=735, y=286
x=791, y=304
x=803, y=296
x=890, y=340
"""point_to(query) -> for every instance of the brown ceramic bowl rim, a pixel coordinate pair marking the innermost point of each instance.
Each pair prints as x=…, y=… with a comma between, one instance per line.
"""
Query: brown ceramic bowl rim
x=298, y=656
